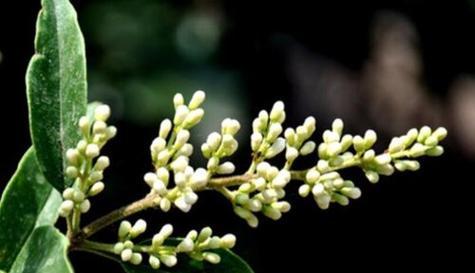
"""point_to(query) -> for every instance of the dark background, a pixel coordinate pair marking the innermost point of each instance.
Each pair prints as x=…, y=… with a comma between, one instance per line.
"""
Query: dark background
x=327, y=59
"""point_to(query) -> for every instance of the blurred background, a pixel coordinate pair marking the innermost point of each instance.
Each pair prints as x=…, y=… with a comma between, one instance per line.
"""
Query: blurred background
x=386, y=65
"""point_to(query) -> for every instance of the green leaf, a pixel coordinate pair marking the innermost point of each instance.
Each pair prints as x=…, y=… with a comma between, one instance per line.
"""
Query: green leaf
x=230, y=263
x=27, y=202
x=45, y=252
x=57, y=87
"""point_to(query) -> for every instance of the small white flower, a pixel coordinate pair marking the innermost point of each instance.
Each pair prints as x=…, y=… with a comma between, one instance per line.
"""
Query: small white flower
x=212, y=257
x=213, y=141
x=102, y=112
x=154, y=262
x=197, y=99
x=291, y=154
x=96, y=188
x=178, y=100
x=186, y=245
x=308, y=148
x=256, y=140
x=228, y=241
x=226, y=168
x=181, y=204
x=277, y=147
x=85, y=206
x=180, y=114
x=92, y=150
x=199, y=178
x=102, y=163
x=126, y=255
x=136, y=258
x=168, y=260
x=277, y=114
x=165, y=128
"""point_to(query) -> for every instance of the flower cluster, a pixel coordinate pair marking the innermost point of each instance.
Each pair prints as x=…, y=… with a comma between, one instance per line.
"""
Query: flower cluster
x=85, y=166
x=221, y=145
x=163, y=250
x=171, y=151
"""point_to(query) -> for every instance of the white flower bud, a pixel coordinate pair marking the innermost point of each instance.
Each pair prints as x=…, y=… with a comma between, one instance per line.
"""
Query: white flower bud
x=308, y=148
x=159, y=187
x=111, y=132
x=182, y=137
x=199, y=178
x=150, y=178
x=256, y=140
x=370, y=138
x=304, y=190
x=353, y=193
x=386, y=169
x=277, y=147
x=96, y=188
x=396, y=145
x=337, y=126
x=168, y=260
x=99, y=127
x=211, y=257
x=72, y=172
x=165, y=204
x=282, y=206
x=194, y=117
x=158, y=144
x=404, y=165
x=161, y=174
x=440, y=133
x=66, y=208
x=259, y=183
x=73, y=156
x=178, y=100
x=254, y=205
x=163, y=157
x=162, y=235
x=333, y=149
x=205, y=233
x=435, y=151
x=186, y=245
x=309, y=124
x=165, y=128
x=424, y=133
x=85, y=206
x=197, y=99
x=330, y=136
x=190, y=197
x=228, y=241
x=78, y=196
x=124, y=229
x=92, y=150
x=241, y=198
x=139, y=227
x=206, y=150
x=431, y=141
x=230, y=145
x=358, y=144
x=226, y=168
x=318, y=189
x=322, y=165
x=179, y=164
x=126, y=255
x=96, y=176
x=136, y=259
x=369, y=155
x=68, y=193
x=230, y=126
x=372, y=176
x=84, y=124
x=213, y=140
x=181, y=204
x=154, y=262
x=312, y=176
x=102, y=163
x=118, y=247
x=291, y=154
x=272, y=213
x=383, y=159
x=102, y=112
x=323, y=201
x=417, y=150
x=341, y=199
x=275, y=130
x=277, y=114
x=180, y=114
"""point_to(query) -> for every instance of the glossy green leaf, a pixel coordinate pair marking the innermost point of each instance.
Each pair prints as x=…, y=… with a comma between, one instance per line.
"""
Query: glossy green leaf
x=57, y=87
x=27, y=202
x=45, y=252
x=230, y=263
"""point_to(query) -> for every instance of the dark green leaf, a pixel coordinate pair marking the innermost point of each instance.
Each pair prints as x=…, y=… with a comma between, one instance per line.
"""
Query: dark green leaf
x=45, y=252
x=27, y=202
x=230, y=263
x=57, y=87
